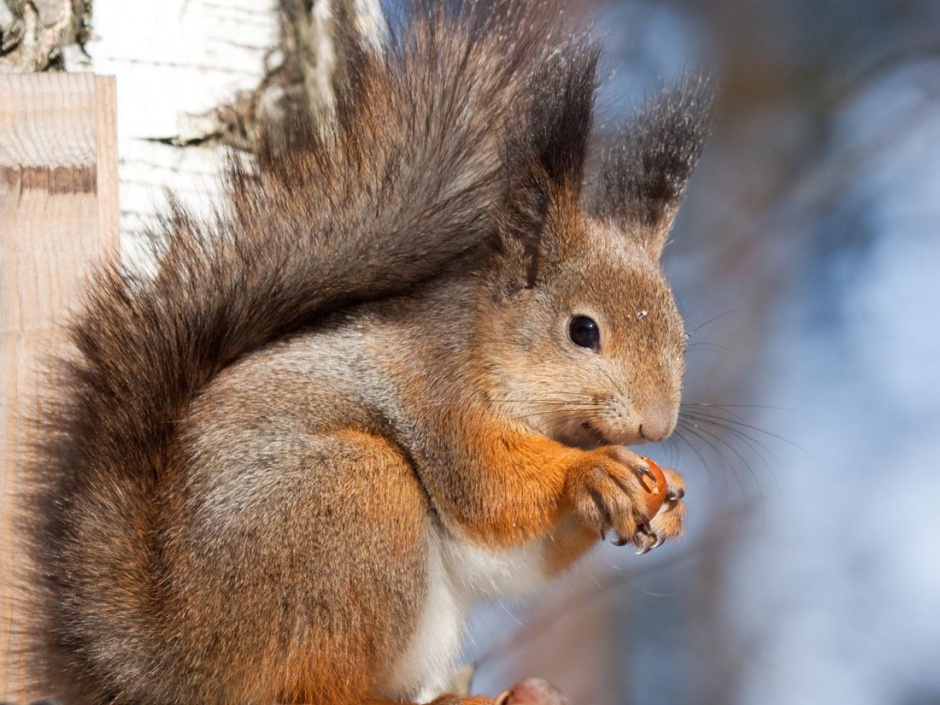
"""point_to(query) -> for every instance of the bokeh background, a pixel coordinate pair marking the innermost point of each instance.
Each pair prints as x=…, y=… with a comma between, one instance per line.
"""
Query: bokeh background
x=807, y=263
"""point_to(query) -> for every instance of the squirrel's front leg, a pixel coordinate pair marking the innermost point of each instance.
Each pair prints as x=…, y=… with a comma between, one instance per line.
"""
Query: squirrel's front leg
x=526, y=486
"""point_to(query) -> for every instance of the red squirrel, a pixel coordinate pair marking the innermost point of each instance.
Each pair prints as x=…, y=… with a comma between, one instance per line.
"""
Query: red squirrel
x=395, y=373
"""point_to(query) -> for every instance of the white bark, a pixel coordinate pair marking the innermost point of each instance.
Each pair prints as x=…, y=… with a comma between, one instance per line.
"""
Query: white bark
x=36, y=35
x=176, y=62
x=186, y=69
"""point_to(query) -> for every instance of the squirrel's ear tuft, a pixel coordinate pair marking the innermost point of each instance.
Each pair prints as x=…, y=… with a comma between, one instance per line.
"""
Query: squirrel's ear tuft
x=645, y=173
x=562, y=115
x=546, y=160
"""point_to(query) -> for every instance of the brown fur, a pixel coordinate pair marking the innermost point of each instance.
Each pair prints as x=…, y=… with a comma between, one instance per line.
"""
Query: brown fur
x=364, y=356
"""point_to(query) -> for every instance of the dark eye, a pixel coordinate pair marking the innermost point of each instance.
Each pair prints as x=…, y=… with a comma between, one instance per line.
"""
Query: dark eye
x=584, y=332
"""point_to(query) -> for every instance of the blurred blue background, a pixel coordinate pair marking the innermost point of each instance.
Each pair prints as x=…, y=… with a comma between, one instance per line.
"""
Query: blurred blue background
x=807, y=263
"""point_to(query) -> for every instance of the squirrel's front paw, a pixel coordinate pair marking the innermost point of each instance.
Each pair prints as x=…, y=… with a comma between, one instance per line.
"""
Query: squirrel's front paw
x=609, y=490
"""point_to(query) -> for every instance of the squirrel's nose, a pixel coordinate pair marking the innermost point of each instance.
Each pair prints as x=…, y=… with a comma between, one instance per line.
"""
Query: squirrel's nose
x=657, y=423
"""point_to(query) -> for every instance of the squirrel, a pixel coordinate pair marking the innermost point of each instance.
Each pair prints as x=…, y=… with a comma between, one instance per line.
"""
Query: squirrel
x=397, y=371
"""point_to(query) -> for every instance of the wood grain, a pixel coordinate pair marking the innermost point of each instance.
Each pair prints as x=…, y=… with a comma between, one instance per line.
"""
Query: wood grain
x=58, y=213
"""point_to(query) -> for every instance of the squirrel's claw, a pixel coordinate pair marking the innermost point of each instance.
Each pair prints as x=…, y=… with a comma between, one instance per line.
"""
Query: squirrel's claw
x=645, y=539
x=644, y=473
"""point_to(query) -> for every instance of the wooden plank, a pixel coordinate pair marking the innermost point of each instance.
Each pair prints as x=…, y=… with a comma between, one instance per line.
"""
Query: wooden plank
x=58, y=183
x=109, y=221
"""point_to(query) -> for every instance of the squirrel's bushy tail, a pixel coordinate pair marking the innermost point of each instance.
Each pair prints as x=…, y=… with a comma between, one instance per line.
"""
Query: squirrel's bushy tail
x=410, y=180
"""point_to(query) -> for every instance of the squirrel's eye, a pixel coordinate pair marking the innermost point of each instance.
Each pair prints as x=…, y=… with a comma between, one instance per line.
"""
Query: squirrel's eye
x=584, y=332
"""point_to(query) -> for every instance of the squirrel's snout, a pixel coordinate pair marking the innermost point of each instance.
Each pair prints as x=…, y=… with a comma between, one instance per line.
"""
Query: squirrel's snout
x=655, y=424
x=654, y=433
x=638, y=425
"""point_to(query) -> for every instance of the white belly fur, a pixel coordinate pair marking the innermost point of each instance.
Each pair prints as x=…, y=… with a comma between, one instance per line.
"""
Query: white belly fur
x=459, y=573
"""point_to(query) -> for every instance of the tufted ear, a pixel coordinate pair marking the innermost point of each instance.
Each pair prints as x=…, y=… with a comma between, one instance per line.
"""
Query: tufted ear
x=645, y=172
x=547, y=159
x=562, y=115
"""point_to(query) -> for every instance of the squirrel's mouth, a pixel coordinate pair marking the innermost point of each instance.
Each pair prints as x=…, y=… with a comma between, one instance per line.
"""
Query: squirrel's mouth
x=596, y=435
x=585, y=436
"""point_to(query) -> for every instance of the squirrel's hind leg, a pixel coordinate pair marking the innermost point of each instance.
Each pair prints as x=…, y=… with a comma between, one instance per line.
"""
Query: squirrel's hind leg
x=306, y=570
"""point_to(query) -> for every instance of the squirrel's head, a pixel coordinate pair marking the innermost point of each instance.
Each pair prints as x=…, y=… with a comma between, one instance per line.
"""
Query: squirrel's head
x=580, y=331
